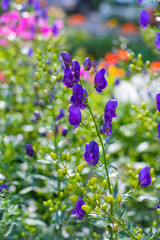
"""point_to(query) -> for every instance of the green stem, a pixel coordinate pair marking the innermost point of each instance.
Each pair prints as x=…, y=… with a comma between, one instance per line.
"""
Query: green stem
x=87, y=128
x=104, y=155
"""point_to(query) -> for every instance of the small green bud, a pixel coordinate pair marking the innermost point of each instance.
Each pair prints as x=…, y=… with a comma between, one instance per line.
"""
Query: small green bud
x=92, y=181
x=51, y=209
x=147, y=63
x=104, y=206
x=109, y=199
x=118, y=198
x=61, y=194
x=132, y=66
x=49, y=48
x=53, y=156
x=115, y=227
x=86, y=208
x=80, y=167
x=69, y=157
x=64, y=171
x=73, y=198
x=158, y=211
x=49, y=202
x=64, y=155
x=60, y=172
x=45, y=204
x=64, y=207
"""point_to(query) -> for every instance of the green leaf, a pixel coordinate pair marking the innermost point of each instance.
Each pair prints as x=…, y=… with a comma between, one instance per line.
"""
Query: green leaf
x=115, y=190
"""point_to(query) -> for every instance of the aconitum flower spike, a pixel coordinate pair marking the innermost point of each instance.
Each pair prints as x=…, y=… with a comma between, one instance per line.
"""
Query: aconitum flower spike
x=144, y=177
x=144, y=18
x=5, y=4
x=158, y=128
x=157, y=41
x=158, y=101
x=100, y=81
x=74, y=116
x=66, y=58
x=79, y=96
x=92, y=153
x=87, y=64
x=77, y=210
x=29, y=150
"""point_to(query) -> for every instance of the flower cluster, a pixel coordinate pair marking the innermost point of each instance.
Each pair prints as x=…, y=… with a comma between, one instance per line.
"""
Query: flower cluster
x=77, y=210
x=109, y=114
x=70, y=79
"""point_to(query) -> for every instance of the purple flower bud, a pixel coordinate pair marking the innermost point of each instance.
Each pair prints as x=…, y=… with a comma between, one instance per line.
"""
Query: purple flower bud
x=144, y=18
x=87, y=64
x=30, y=52
x=37, y=115
x=64, y=131
x=77, y=210
x=74, y=116
x=92, y=153
x=3, y=187
x=75, y=66
x=100, y=81
x=29, y=150
x=5, y=4
x=116, y=81
x=107, y=128
x=144, y=177
x=157, y=42
x=44, y=13
x=37, y=6
x=60, y=115
x=158, y=128
x=79, y=96
x=55, y=30
x=158, y=206
x=158, y=101
x=139, y=1
x=41, y=104
x=66, y=58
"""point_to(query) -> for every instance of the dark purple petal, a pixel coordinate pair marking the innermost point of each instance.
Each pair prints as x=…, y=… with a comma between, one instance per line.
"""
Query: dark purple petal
x=74, y=116
x=92, y=153
x=64, y=131
x=78, y=211
x=66, y=58
x=144, y=18
x=157, y=41
x=55, y=30
x=100, y=81
x=5, y=4
x=158, y=128
x=3, y=186
x=29, y=150
x=79, y=96
x=75, y=66
x=144, y=177
x=87, y=64
x=60, y=115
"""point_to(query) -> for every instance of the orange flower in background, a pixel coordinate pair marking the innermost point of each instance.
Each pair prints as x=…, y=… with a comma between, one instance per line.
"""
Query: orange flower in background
x=114, y=71
x=122, y=55
x=129, y=28
x=76, y=19
x=111, y=58
x=155, y=66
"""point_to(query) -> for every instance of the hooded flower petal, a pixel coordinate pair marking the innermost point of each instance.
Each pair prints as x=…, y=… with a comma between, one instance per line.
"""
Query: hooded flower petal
x=92, y=153
x=144, y=177
x=100, y=81
x=74, y=116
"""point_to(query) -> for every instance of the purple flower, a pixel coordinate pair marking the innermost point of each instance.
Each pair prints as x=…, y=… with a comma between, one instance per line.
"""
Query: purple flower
x=37, y=115
x=110, y=109
x=79, y=96
x=74, y=116
x=44, y=13
x=92, y=153
x=107, y=128
x=144, y=18
x=55, y=30
x=144, y=177
x=64, y=131
x=5, y=4
x=116, y=81
x=3, y=187
x=158, y=206
x=77, y=210
x=157, y=42
x=37, y=6
x=76, y=69
x=158, y=128
x=60, y=115
x=87, y=64
x=139, y=1
x=158, y=101
x=100, y=81
x=30, y=2
x=30, y=52
x=29, y=150
x=66, y=58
